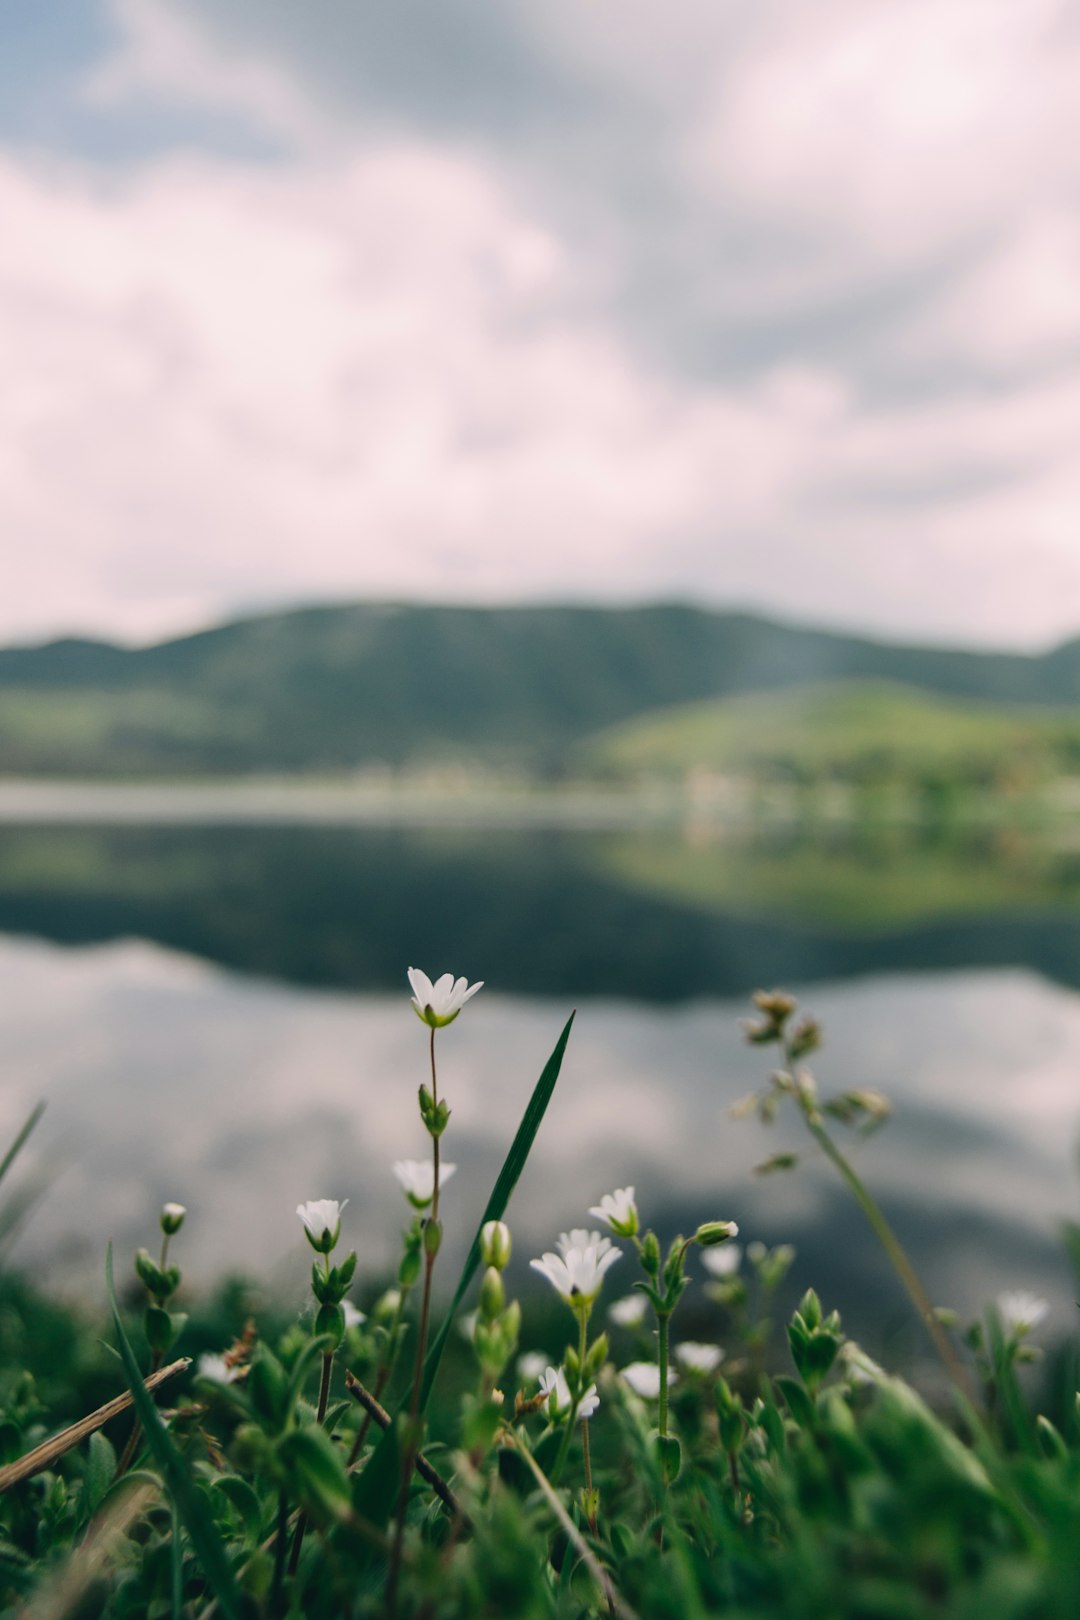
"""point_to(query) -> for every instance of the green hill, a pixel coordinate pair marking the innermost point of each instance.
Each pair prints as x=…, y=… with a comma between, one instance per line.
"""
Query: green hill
x=857, y=732
x=331, y=689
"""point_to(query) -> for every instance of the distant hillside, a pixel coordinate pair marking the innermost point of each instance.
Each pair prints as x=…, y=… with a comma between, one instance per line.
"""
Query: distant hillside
x=845, y=731
x=328, y=689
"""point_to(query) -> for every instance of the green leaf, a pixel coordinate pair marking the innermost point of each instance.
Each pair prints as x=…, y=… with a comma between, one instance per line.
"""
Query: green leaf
x=240, y=1496
x=799, y=1403
x=317, y=1470
x=379, y=1482
x=190, y=1504
x=100, y=1469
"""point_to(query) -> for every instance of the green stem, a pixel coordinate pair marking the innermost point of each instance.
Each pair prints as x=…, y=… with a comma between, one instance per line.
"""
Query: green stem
x=663, y=1323
x=895, y=1252
x=582, y=1312
x=324, y=1396
x=412, y=1445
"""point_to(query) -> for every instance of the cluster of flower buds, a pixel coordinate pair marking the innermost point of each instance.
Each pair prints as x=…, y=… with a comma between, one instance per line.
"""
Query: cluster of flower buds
x=815, y=1340
x=435, y=1115
x=495, y=1334
x=329, y=1284
x=161, y=1280
x=777, y=1008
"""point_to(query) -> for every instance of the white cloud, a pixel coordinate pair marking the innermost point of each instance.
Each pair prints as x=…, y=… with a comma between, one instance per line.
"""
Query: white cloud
x=371, y=369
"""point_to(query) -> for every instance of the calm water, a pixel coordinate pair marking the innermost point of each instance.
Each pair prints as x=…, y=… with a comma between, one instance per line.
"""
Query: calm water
x=221, y=1017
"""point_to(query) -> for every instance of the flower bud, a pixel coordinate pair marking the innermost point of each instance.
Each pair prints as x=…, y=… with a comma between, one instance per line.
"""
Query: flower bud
x=409, y=1269
x=150, y=1275
x=330, y=1319
x=172, y=1218
x=432, y=1238
x=495, y=1244
x=387, y=1307
x=492, y=1294
x=650, y=1253
x=709, y=1233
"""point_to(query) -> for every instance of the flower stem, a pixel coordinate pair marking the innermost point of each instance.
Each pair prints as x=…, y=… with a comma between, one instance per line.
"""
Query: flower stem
x=324, y=1396
x=560, y=1461
x=412, y=1445
x=894, y=1250
x=663, y=1326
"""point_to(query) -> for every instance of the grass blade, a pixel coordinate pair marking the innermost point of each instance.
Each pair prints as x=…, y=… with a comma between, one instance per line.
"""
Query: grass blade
x=377, y=1485
x=189, y=1503
x=508, y=1177
x=20, y=1141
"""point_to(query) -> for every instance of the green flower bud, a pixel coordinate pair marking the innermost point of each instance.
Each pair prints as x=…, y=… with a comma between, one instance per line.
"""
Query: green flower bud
x=330, y=1319
x=492, y=1295
x=432, y=1238
x=152, y=1278
x=495, y=1244
x=709, y=1233
x=172, y=1218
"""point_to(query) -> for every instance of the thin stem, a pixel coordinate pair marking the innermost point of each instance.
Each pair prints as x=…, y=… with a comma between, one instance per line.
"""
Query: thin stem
x=386, y=1367
x=279, y=1551
x=412, y=1444
x=617, y=1604
x=582, y=1312
x=897, y=1256
x=663, y=1326
x=324, y=1396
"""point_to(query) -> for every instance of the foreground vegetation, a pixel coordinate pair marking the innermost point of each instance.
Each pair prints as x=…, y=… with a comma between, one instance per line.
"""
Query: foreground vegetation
x=352, y=1465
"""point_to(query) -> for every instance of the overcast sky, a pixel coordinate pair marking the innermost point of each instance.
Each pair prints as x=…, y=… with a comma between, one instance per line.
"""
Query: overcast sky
x=772, y=305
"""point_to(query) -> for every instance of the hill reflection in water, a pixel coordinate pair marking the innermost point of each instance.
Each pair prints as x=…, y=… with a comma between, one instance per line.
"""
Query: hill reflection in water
x=292, y=1073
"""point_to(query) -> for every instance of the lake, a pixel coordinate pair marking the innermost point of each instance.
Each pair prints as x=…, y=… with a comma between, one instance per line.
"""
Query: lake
x=220, y=1015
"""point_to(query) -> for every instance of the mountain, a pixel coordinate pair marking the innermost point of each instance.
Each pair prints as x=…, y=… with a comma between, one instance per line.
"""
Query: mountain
x=334, y=688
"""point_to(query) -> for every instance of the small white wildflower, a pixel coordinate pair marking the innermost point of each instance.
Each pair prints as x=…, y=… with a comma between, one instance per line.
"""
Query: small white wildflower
x=172, y=1218
x=438, y=1004
x=216, y=1368
x=644, y=1379
x=554, y=1386
x=702, y=1358
x=722, y=1261
x=578, y=1271
x=353, y=1317
x=322, y=1222
x=629, y=1311
x=619, y=1210
x=417, y=1178
x=466, y=1324
x=1020, y=1311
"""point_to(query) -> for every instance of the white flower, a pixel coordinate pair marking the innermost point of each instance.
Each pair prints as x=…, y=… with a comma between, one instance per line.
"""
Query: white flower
x=353, y=1317
x=619, y=1210
x=1021, y=1311
x=466, y=1324
x=439, y=1003
x=578, y=1271
x=530, y=1365
x=630, y=1311
x=703, y=1358
x=172, y=1218
x=553, y=1385
x=216, y=1368
x=723, y=1261
x=322, y=1222
x=644, y=1379
x=417, y=1177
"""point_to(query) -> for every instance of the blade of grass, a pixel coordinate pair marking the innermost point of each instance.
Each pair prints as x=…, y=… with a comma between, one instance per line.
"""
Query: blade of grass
x=20, y=1141
x=508, y=1177
x=189, y=1503
x=375, y=1490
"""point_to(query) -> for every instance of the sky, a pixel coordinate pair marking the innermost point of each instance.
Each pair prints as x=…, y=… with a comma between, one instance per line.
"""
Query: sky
x=772, y=306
